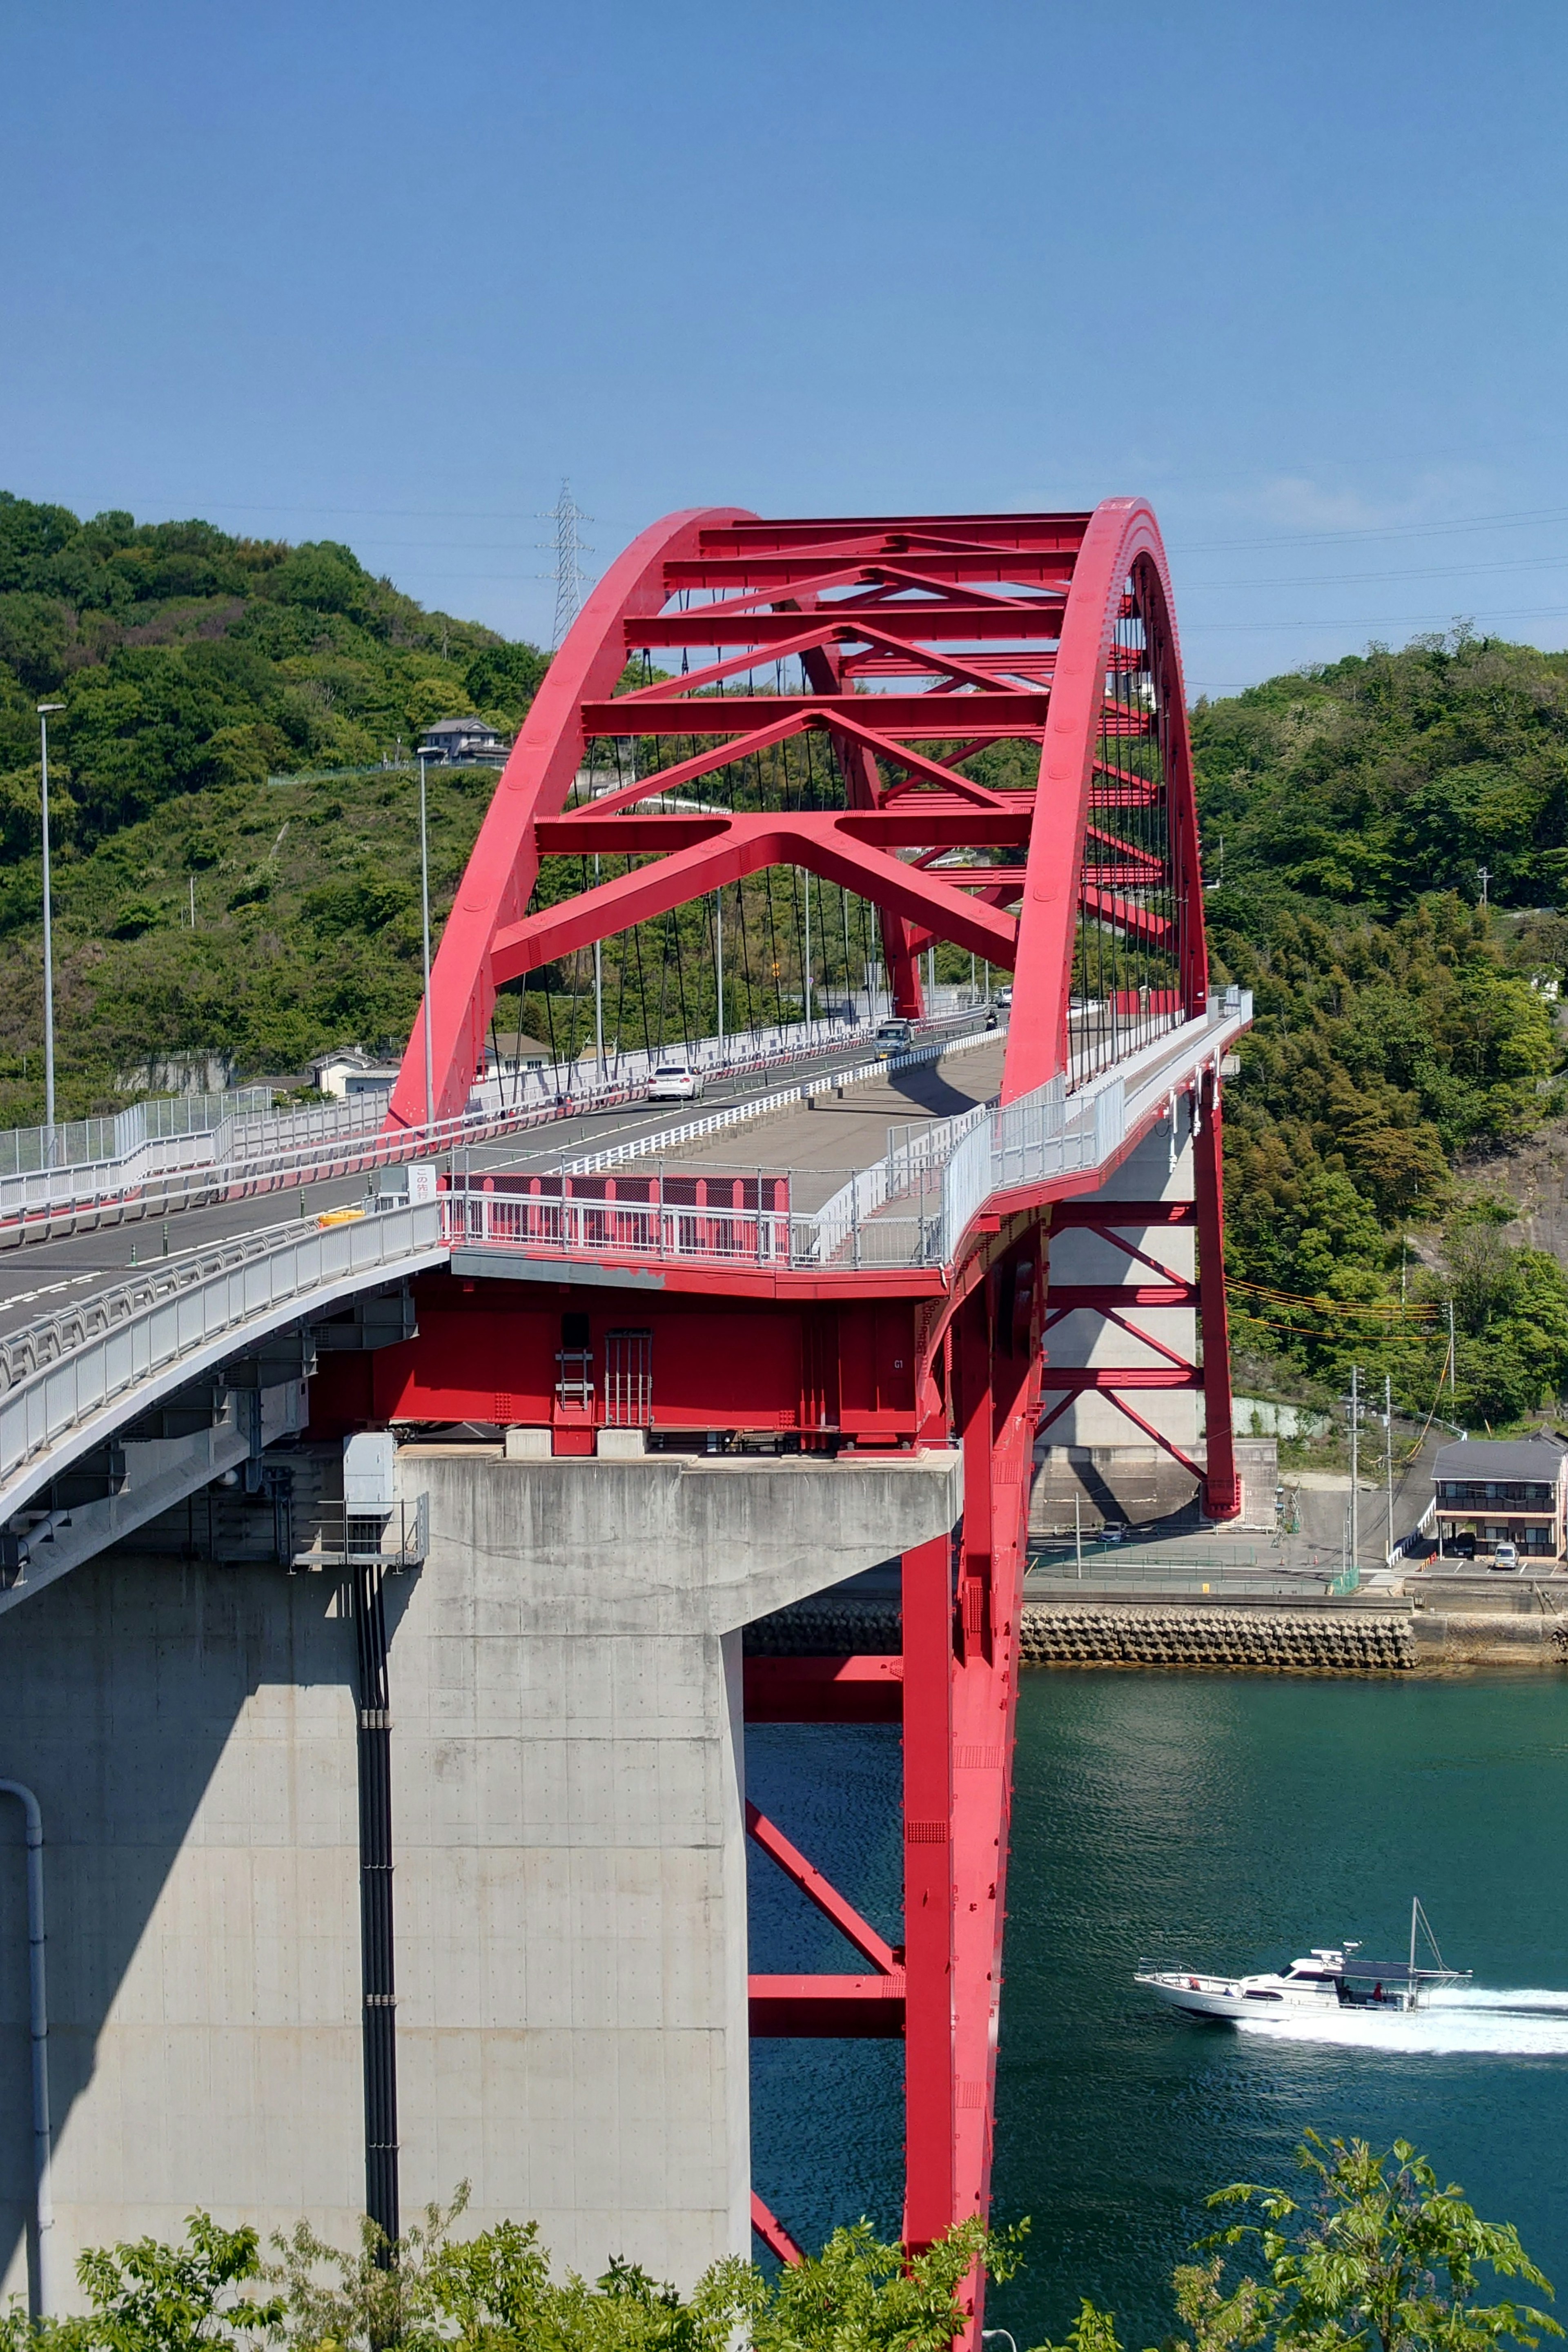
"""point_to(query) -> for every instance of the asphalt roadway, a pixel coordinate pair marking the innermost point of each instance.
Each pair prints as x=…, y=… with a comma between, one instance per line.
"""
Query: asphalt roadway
x=39, y=1278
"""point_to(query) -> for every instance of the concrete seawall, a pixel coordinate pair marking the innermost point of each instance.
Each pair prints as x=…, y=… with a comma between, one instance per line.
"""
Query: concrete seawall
x=1335, y=1638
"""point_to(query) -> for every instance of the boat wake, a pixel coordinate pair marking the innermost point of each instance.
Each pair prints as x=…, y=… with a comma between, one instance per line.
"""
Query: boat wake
x=1467, y=2020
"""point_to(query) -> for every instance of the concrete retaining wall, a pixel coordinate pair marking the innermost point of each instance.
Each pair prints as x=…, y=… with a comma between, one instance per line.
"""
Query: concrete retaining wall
x=1151, y=1171
x=1470, y=1638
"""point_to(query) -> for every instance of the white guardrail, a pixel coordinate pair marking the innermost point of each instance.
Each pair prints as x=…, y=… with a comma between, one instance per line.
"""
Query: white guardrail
x=911, y=1208
x=68, y=1374
x=179, y=1154
x=59, y=1373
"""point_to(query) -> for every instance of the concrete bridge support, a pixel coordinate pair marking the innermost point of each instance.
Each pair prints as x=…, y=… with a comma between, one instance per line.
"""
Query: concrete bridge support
x=569, y=1880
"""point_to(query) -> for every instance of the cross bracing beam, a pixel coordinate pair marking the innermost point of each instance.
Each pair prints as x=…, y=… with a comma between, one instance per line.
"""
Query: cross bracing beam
x=900, y=595
x=728, y=850
x=721, y=624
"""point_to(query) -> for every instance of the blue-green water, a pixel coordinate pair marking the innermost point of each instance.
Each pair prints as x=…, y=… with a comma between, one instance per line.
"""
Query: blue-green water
x=1233, y=1819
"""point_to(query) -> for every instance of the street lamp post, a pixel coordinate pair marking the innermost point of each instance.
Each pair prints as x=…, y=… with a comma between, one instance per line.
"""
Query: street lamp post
x=425, y=920
x=44, y=709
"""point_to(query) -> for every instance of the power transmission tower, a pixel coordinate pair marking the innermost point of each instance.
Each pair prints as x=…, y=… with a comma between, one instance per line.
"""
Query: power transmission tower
x=570, y=584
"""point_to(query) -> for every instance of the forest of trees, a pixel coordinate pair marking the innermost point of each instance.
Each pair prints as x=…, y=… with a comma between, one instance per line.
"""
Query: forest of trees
x=192, y=666
x=1355, y=818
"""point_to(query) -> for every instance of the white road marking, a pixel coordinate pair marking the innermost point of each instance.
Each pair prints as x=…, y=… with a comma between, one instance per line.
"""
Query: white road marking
x=26, y=1297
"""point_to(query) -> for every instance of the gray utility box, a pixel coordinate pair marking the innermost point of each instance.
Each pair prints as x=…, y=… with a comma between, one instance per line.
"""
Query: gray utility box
x=367, y=1470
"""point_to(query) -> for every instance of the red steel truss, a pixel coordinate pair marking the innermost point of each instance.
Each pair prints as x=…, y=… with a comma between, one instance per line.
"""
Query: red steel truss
x=1001, y=699
x=911, y=647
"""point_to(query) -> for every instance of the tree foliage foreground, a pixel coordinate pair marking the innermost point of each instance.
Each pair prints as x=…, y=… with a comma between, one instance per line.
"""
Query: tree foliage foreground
x=1378, y=2259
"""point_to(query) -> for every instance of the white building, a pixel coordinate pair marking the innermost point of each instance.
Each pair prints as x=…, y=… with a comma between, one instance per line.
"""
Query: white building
x=452, y=740
x=349, y=1071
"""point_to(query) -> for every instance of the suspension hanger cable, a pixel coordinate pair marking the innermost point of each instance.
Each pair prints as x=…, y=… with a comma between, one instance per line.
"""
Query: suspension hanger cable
x=681, y=983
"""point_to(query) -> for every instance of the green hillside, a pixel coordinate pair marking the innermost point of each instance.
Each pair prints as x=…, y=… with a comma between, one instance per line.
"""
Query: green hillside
x=193, y=665
x=1402, y=1026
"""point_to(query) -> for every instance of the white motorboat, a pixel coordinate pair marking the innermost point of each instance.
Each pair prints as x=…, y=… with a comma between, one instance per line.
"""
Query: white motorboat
x=1331, y=1977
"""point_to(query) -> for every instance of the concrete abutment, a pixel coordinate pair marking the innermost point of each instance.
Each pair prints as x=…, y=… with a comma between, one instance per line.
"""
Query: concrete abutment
x=568, y=1842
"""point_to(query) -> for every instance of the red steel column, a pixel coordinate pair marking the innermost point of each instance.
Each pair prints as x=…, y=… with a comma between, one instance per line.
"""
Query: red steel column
x=1222, y=1493
x=976, y=1431
x=929, y=2092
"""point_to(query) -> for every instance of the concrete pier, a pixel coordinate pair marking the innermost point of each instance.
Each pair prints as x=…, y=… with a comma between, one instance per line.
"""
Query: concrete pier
x=568, y=1844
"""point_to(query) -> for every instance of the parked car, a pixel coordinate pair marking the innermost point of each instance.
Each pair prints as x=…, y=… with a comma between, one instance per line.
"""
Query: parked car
x=893, y=1038
x=675, y=1082
x=1505, y=1555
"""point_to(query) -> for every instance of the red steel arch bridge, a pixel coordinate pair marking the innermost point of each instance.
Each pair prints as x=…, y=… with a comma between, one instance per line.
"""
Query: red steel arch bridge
x=783, y=781
x=965, y=729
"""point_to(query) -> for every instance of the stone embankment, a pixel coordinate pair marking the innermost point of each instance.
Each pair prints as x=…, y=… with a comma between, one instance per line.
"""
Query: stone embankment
x=1402, y=1636
x=1361, y=1643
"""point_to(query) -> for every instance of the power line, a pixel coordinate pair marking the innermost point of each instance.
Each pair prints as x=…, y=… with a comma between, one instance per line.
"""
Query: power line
x=1519, y=517
x=1558, y=561
x=1387, y=620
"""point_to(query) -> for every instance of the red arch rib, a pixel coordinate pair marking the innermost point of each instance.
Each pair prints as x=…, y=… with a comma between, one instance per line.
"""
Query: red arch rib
x=1122, y=533
x=500, y=874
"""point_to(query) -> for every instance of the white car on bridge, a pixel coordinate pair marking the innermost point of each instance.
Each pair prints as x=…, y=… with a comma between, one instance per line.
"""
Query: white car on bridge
x=675, y=1082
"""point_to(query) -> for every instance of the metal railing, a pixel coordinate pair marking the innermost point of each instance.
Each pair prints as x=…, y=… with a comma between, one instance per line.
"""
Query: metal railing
x=393, y=1534
x=90, y=1142
x=61, y=1370
x=106, y=1170
x=715, y=1122
x=1196, y=1579
x=909, y=1209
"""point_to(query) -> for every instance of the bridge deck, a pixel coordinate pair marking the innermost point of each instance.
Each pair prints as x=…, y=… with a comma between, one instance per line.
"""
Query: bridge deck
x=820, y=1147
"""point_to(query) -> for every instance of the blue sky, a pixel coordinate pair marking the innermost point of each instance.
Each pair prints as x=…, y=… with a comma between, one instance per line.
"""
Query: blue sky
x=388, y=273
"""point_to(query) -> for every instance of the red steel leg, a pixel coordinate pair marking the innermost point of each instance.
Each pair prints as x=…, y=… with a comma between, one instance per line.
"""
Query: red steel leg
x=999, y=1404
x=929, y=2089
x=1222, y=1492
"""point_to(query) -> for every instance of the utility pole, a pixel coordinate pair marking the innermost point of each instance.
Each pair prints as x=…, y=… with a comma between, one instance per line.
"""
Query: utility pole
x=1484, y=873
x=45, y=708
x=806, y=977
x=1388, y=1458
x=598, y=999
x=424, y=917
x=1453, y=1367
x=1355, y=1466
x=570, y=550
